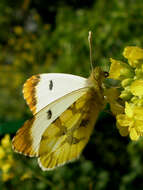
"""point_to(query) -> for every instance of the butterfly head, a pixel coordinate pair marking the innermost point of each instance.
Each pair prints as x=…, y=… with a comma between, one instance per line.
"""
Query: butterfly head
x=97, y=77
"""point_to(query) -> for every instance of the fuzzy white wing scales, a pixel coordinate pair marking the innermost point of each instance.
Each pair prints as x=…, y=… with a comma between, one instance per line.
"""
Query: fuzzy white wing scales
x=41, y=90
x=53, y=86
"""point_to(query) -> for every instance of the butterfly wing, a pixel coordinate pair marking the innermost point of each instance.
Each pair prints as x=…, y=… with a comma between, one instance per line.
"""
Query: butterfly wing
x=41, y=90
x=28, y=137
x=65, y=138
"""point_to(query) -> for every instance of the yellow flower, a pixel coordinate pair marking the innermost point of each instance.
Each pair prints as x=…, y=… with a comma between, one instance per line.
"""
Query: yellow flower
x=132, y=120
x=6, y=158
x=130, y=97
x=122, y=130
x=119, y=70
x=18, y=30
x=2, y=152
x=137, y=88
x=133, y=54
x=6, y=176
x=6, y=141
x=6, y=167
x=26, y=175
x=10, y=159
x=112, y=95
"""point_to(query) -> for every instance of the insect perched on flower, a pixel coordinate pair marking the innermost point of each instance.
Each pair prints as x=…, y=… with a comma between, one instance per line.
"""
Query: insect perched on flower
x=65, y=109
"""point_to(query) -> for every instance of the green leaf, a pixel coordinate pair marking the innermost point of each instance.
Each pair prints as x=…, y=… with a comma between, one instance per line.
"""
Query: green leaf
x=10, y=127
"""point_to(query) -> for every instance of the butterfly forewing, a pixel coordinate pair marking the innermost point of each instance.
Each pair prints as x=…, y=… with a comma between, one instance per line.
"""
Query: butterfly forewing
x=41, y=90
x=27, y=139
x=65, y=138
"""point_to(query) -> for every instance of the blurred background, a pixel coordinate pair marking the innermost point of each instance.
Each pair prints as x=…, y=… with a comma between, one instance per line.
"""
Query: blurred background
x=51, y=36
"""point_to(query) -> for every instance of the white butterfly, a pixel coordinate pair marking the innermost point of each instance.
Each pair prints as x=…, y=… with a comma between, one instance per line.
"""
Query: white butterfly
x=65, y=109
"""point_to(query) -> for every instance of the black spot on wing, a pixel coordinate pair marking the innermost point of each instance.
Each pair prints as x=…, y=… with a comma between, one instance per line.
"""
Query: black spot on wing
x=51, y=85
x=49, y=114
x=84, y=123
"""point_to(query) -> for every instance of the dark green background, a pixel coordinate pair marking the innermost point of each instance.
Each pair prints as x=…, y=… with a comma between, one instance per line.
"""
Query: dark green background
x=109, y=161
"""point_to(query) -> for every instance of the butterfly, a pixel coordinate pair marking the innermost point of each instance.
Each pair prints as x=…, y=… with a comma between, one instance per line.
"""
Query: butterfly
x=65, y=108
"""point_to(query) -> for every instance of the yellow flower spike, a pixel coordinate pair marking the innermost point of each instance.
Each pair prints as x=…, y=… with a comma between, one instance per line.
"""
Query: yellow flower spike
x=2, y=152
x=133, y=53
x=6, y=141
x=130, y=77
x=119, y=70
x=137, y=88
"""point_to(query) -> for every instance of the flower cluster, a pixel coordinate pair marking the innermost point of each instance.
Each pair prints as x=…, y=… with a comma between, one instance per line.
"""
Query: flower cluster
x=130, y=115
x=10, y=166
x=6, y=159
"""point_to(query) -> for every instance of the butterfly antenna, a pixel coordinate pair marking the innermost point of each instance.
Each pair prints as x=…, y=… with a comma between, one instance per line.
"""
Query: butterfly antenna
x=90, y=48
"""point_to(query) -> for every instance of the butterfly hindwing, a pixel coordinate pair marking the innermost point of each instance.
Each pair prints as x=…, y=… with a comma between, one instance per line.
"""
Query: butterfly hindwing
x=23, y=142
x=28, y=137
x=65, y=138
x=41, y=90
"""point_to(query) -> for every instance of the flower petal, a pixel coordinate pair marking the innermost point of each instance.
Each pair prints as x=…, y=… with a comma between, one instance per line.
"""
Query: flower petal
x=137, y=88
x=122, y=130
x=116, y=108
x=133, y=53
x=119, y=70
x=128, y=109
x=124, y=120
x=139, y=126
x=133, y=134
x=138, y=113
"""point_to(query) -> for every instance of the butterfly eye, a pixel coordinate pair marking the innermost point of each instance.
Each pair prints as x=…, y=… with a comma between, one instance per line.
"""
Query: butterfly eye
x=106, y=74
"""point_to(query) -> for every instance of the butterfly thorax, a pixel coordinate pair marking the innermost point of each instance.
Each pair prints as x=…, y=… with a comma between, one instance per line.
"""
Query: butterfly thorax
x=96, y=81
